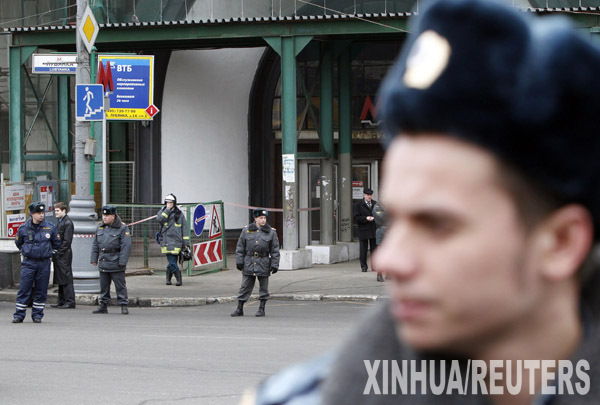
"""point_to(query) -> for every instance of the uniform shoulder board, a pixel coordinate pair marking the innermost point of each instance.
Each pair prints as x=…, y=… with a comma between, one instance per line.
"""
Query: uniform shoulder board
x=101, y=227
x=126, y=233
x=274, y=229
x=47, y=227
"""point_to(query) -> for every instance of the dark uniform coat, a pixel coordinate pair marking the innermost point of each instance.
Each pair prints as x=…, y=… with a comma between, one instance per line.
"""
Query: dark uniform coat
x=111, y=246
x=37, y=241
x=379, y=215
x=366, y=229
x=341, y=377
x=174, y=230
x=257, y=250
x=63, y=273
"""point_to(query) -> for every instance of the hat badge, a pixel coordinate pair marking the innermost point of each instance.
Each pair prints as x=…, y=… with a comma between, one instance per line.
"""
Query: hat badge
x=426, y=60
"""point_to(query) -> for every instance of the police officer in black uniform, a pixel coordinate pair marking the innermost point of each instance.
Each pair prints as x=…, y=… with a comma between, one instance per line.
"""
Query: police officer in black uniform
x=257, y=255
x=36, y=239
x=110, y=252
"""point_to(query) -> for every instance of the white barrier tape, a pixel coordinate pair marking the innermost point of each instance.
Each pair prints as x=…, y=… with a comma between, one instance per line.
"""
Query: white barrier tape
x=84, y=235
x=142, y=220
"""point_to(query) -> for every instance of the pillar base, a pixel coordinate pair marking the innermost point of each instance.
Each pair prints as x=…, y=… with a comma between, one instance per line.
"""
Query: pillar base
x=295, y=259
x=329, y=254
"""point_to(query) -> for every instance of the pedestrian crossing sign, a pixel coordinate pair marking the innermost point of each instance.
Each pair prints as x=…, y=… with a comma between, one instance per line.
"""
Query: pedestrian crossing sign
x=89, y=102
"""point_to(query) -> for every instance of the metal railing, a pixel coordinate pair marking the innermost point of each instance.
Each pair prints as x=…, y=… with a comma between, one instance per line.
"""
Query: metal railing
x=145, y=252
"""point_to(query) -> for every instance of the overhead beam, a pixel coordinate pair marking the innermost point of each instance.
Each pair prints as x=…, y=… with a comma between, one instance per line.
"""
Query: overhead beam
x=186, y=34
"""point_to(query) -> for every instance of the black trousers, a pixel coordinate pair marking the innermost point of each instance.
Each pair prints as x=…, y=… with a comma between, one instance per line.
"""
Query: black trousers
x=117, y=277
x=66, y=294
x=364, y=247
x=248, y=286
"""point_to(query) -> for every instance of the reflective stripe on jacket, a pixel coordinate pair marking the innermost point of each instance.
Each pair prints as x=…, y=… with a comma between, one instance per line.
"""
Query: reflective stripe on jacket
x=174, y=230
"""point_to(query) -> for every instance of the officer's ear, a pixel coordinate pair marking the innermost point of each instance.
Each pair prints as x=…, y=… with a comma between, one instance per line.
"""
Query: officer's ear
x=562, y=241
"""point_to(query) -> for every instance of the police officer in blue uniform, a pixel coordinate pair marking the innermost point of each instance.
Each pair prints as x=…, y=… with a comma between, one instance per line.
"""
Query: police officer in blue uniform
x=110, y=252
x=36, y=239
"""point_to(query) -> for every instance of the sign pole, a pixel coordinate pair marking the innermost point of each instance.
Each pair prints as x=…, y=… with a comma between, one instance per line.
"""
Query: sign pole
x=86, y=278
x=82, y=128
x=104, y=155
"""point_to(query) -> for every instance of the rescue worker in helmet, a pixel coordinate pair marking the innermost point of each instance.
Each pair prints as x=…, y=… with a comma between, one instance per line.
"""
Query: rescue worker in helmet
x=173, y=236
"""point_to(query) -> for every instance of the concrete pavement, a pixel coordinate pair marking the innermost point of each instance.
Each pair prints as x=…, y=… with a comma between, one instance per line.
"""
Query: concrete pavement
x=335, y=282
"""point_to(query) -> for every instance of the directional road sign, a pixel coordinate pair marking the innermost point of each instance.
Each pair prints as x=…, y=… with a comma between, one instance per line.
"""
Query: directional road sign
x=207, y=252
x=89, y=103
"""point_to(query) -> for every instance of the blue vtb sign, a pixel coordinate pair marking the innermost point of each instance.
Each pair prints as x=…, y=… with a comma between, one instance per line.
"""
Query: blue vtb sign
x=199, y=219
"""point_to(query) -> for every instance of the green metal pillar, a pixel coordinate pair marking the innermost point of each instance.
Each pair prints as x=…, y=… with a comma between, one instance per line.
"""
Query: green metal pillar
x=288, y=48
x=16, y=115
x=18, y=56
x=327, y=235
x=63, y=137
x=345, y=144
x=289, y=145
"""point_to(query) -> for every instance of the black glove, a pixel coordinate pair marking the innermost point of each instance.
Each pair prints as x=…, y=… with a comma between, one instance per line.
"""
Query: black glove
x=273, y=270
x=240, y=267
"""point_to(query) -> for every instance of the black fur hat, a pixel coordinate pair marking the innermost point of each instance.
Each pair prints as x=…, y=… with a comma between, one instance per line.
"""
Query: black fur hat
x=522, y=87
x=259, y=213
x=37, y=207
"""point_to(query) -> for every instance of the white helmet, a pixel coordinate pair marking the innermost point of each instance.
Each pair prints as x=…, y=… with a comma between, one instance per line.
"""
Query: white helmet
x=171, y=198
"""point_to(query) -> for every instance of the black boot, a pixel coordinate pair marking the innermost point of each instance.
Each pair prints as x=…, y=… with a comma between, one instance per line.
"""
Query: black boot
x=101, y=309
x=169, y=275
x=124, y=310
x=178, y=278
x=239, y=311
x=261, y=308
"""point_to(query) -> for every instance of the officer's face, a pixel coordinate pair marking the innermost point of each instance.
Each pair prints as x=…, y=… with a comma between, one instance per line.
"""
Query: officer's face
x=261, y=221
x=368, y=197
x=458, y=257
x=59, y=213
x=170, y=205
x=37, y=217
x=108, y=219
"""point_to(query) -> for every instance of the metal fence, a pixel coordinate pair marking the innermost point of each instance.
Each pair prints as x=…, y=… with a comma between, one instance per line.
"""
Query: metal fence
x=208, y=244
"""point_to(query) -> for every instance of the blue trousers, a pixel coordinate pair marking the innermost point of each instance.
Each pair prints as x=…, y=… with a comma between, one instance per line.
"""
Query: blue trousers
x=35, y=275
x=172, y=267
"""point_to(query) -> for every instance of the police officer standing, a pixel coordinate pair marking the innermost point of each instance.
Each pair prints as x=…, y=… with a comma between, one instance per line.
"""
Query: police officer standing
x=364, y=219
x=36, y=239
x=110, y=252
x=173, y=236
x=257, y=255
x=63, y=258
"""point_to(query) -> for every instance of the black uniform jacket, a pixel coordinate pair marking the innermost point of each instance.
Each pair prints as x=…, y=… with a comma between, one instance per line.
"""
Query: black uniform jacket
x=111, y=247
x=63, y=273
x=366, y=229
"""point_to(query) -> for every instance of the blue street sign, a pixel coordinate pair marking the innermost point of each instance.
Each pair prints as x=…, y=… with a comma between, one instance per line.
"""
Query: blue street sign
x=134, y=87
x=89, y=104
x=199, y=219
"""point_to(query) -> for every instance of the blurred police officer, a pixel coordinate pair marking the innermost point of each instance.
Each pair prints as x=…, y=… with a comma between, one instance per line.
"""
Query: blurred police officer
x=63, y=258
x=173, y=236
x=364, y=220
x=110, y=252
x=257, y=256
x=379, y=216
x=36, y=239
x=492, y=194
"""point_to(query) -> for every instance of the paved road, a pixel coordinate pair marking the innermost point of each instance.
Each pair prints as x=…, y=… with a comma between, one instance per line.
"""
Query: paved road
x=197, y=355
